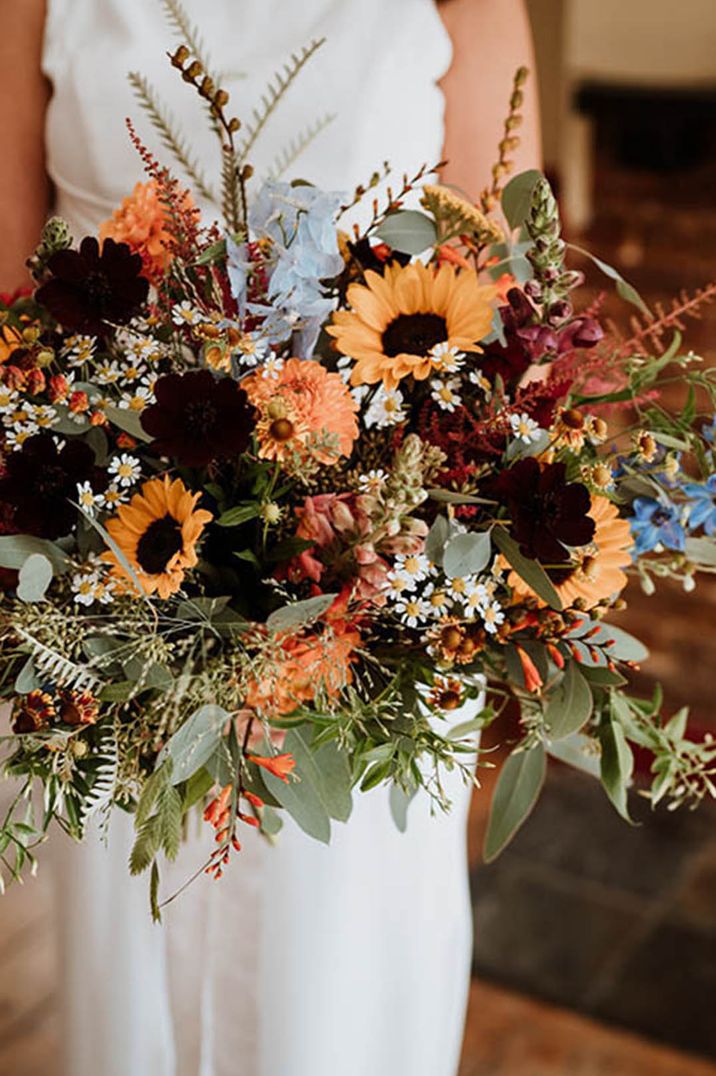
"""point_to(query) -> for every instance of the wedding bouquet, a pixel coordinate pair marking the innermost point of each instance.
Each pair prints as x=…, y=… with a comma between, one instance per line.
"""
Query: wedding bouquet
x=277, y=497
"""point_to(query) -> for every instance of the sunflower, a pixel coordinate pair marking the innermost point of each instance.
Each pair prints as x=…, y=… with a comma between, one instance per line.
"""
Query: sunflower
x=595, y=573
x=157, y=532
x=397, y=319
x=304, y=410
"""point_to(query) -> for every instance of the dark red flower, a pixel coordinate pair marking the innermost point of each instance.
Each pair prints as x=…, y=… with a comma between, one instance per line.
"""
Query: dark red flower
x=547, y=512
x=90, y=287
x=198, y=418
x=41, y=480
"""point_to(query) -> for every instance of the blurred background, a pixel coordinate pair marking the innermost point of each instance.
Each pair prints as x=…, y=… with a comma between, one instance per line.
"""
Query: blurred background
x=595, y=947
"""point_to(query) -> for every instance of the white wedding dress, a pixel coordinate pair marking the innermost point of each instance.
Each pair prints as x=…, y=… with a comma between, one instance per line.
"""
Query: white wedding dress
x=304, y=960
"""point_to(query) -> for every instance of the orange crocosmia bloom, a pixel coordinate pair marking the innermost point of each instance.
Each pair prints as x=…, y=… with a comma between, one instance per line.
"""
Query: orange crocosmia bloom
x=279, y=765
x=305, y=665
x=305, y=409
x=533, y=680
x=143, y=222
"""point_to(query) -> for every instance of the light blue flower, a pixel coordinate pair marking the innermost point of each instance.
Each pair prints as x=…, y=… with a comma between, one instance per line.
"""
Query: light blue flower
x=656, y=523
x=238, y=265
x=702, y=511
x=709, y=432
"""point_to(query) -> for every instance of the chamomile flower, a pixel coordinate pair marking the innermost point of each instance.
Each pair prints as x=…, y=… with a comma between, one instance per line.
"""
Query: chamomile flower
x=125, y=469
x=186, y=314
x=107, y=372
x=372, y=481
x=437, y=599
x=115, y=495
x=272, y=367
x=446, y=393
x=397, y=583
x=252, y=349
x=525, y=428
x=412, y=610
x=446, y=359
x=137, y=400
x=88, y=500
x=8, y=400
x=476, y=377
x=16, y=438
x=44, y=416
x=132, y=372
x=83, y=587
x=386, y=409
x=492, y=616
x=474, y=600
x=415, y=566
x=78, y=350
x=460, y=586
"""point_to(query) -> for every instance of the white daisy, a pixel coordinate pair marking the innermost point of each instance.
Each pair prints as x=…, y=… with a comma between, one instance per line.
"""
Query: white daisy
x=83, y=587
x=132, y=372
x=137, y=400
x=460, y=586
x=412, y=611
x=186, y=314
x=437, y=598
x=8, y=399
x=78, y=350
x=492, y=616
x=16, y=438
x=372, y=481
x=415, y=566
x=525, y=428
x=272, y=367
x=397, y=583
x=125, y=469
x=114, y=495
x=474, y=600
x=107, y=372
x=252, y=350
x=476, y=377
x=44, y=416
x=446, y=393
x=446, y=359
x=386, y=409
x=88, y=500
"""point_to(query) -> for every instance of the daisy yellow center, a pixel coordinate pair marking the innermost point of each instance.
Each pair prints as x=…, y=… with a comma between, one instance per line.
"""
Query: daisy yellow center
x=414, y=334
x=411, y=565
x=161, y=540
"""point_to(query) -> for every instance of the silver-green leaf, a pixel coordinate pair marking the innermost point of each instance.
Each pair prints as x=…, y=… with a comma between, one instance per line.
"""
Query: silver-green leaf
x=517, y=790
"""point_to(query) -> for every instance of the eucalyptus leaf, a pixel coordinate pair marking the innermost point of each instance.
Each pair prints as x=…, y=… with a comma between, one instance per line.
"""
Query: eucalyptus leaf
x=326, y=767
x=625, y=290
x=408, y=231
x=698, y=551
x=16, y=548
x=34, y=579
x=528, y=570
x=129, y=421
x=436, y=539
x=27, y=679
x=449, y=496
x=517, y=790
x=517, y=197
x=578, y=751
x=303, y=800
x=467, y=554
x=569, y=705
x=399, y=802
x=624, y=646
x=298, y=613
x=193, y=744
x=616, y=766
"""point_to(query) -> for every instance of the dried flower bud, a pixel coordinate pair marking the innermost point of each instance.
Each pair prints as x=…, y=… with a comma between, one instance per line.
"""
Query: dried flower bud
x=234, y=124
x=221, y=99
x=36, y=382
x=193, y=71
x=180, y=56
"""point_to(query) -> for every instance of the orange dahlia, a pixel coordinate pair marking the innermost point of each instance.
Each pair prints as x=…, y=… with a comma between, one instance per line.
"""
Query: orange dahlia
x=303, y=411
x=397, y=319
x=305, y=665
x=595, y=573
x=142, y=221
x=157, y=532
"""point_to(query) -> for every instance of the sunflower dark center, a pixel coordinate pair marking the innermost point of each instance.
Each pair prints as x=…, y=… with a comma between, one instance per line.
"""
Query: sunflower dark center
x=414, y=334
x=160, y=541
x=200, y=416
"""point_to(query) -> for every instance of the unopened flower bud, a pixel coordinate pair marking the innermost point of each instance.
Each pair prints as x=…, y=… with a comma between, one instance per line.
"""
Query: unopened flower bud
x=36, y=382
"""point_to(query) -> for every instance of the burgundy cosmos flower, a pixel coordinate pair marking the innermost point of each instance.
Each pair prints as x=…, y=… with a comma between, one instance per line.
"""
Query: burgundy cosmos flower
x=89, y=286
x=547, y=512
x=198, y=418
x=41, y=480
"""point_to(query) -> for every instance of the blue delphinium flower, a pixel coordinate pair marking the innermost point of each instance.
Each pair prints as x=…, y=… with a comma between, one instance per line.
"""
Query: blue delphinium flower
x=238, y=265
x=656, y=523
x=702, y=511
x=709, y=432
x=300, y=222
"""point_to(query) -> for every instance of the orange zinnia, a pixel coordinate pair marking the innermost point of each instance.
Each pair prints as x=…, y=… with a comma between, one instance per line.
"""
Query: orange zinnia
x=142, y=221
x=305, y=411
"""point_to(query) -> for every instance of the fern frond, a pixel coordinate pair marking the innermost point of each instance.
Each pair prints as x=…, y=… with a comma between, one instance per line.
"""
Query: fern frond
x=275, y=91
x=100, y=797
x=57, y=667
x=290, y=153
x=164, y=123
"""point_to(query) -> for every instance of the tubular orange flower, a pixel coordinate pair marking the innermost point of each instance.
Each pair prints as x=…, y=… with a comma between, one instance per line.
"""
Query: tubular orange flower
x=595, y=572
x=397, y=318
x=157, y=532
x=533, y=680
x=279, y=765
x=142, y=221
x=305, y=410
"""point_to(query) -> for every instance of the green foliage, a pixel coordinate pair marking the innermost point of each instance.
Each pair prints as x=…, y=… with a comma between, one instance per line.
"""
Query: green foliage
x=409, y=231
x=467, y=554
x=194, y=742
x=158, y=821
x=518, y=195
x=299, y=613
x=517, y=790
x=569, y=705
x=529, y=570
x=16, y=549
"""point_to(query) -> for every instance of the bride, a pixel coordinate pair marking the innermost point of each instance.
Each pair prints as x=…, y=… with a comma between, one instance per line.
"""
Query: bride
x=351, y=960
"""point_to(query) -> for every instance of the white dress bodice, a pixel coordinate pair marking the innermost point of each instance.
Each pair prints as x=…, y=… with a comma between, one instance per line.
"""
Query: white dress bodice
x=351, y=960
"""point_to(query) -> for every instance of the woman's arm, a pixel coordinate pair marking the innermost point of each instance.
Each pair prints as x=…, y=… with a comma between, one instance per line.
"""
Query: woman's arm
x=491, y=39
x=24, y=93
